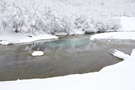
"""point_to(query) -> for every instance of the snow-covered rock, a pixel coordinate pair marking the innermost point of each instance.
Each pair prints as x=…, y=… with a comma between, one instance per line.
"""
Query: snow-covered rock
x=120, y=54
x=38, y=53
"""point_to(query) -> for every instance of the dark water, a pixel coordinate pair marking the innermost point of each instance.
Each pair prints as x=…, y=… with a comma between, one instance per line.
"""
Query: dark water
x=68, y=55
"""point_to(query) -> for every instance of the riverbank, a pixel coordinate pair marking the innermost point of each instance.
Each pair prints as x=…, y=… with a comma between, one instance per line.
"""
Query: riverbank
x=16, y=38
x=127, y=29
x=114, y=36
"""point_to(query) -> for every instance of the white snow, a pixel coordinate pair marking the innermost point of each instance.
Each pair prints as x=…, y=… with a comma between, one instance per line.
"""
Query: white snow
x=119, y=54
x=14, y=38
x=127, y=30
x=127, y=23
x=114, y=35
x=37, y=53
x=115, y=77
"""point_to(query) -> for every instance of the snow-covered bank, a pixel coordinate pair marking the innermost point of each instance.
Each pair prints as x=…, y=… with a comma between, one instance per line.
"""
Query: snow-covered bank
x=14, y=38
x=115, y=77
x=114, y=35
x=127, y=24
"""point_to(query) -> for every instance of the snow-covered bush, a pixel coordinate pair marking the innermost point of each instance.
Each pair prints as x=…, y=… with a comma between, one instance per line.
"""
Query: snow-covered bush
x=97, y=24
x=59, y=16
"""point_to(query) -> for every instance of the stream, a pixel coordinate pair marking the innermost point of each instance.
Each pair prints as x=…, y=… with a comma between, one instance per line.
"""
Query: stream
x=65, y=56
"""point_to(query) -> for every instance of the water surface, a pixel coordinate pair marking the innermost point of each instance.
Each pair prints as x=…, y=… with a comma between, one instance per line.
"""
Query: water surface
x=68, y=55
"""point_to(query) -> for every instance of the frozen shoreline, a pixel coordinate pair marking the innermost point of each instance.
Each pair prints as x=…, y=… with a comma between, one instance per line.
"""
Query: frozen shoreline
x=15, y=38
x=114, y=35
x=126, y=32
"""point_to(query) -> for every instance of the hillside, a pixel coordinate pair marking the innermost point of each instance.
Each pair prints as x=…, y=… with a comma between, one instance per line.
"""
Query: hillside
x=63, y=16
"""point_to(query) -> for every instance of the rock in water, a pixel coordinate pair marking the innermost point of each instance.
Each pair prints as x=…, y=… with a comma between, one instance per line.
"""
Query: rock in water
x=119, y=54
x=38, y=53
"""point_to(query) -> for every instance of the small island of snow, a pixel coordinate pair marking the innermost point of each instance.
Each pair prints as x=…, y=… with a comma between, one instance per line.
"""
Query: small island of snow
x=38, y=53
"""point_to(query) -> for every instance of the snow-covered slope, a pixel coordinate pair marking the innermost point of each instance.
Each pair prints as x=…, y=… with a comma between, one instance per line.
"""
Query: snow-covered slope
x=63, y=16
x=128, y=24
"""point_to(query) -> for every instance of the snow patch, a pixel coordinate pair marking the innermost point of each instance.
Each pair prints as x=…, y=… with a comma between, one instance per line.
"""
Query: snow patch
x=37, y=53
x=119, y=54
x=114, y=35
x=127, y=23
x=14, y=38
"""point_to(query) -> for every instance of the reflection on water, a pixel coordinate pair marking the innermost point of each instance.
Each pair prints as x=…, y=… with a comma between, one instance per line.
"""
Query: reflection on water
x=68, y=55
x=68, y=44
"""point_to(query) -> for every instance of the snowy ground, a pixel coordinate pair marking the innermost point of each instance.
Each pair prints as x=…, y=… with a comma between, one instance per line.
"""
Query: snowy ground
x=127, y=31
x=127, y=24
x=14, y=38
x=114, y=35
